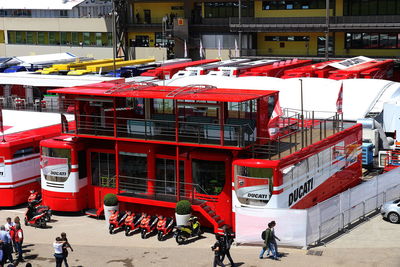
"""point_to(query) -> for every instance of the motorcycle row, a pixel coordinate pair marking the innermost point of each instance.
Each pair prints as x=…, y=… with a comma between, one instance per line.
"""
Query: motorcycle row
x=149, y=225
x=36, y=214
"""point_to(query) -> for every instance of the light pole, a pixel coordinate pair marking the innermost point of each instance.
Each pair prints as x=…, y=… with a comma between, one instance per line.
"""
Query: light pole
x=114, y=39
x=163, y=33
x=240, y=28
x=302, y=112
x=327, y=31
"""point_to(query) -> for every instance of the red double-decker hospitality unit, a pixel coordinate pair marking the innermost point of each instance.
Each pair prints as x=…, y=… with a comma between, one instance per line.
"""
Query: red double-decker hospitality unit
x=166, y=72
x=320, y=70
x=155, y=145
x=277, y=69
x=19, y=152
x=360, y=68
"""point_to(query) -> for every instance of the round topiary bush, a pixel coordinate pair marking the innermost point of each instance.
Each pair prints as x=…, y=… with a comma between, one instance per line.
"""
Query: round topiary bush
x=110, y=200
x=183, y=207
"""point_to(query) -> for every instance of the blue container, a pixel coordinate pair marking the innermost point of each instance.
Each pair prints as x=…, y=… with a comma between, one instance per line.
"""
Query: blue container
x=367, y=153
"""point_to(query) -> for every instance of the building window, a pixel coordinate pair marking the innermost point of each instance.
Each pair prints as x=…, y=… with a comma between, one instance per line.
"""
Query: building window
x=133, y=172
x=66, y=38
x=86, y=38
x=287, y=38
x=372, y=40
x=98, y=39
x=56, y=164
x=228, y=9
x=23, y=152
x=43, y=38
x=75, y=39
x=11, y=37
x=371, y=7
x=54, y=38
x=103, y=169
x=289, y=5
x=253, y=186
x=31, y=37
x=82, y=164
x=63, y=13
x=209, y=176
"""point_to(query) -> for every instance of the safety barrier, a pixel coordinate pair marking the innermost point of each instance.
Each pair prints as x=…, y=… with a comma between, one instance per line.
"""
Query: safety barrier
x=312, y=226
x=338, y=213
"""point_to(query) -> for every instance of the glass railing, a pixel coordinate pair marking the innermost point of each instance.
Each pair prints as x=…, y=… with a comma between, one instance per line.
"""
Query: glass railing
x=238, y=133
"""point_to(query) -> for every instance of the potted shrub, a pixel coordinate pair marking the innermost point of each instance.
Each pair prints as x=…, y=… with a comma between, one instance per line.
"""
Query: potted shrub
x=110, y=204
x=183, y=211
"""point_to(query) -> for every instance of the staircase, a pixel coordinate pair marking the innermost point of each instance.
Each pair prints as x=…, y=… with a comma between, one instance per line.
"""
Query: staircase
x=211, y=216
x=95, y=212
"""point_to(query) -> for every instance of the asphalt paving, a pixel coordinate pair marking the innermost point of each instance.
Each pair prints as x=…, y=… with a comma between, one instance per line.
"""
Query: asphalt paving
x=374, y=242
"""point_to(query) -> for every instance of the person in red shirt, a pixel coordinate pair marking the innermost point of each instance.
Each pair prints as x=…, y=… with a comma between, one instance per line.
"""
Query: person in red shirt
x=19, y=238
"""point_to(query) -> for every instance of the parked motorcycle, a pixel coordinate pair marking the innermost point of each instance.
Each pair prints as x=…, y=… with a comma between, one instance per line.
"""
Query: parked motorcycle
x=148, y=224
x=132, y=222
x=34, y=218
x=116, y=221
x=184, y=232
x=35, y=199
x=165, y=226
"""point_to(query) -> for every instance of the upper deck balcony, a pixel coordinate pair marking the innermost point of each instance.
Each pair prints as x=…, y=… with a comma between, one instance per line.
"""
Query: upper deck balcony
x=314, y=24
x=196, y=115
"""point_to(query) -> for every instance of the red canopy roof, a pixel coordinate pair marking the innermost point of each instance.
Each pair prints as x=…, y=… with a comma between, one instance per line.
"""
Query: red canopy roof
x=143, y=90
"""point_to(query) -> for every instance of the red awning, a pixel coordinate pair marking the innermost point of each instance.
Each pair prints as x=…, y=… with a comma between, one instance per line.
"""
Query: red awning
x=196, y=92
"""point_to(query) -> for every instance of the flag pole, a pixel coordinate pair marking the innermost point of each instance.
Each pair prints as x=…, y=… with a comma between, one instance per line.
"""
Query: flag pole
x=1, y=124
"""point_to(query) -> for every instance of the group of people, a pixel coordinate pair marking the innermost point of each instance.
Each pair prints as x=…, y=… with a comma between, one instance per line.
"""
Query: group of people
x=61, y=246
x=11, y=239
x=270, y=244
x=222, y=246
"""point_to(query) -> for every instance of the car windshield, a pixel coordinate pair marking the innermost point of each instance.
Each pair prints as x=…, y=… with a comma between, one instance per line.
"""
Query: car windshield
x=396, y=201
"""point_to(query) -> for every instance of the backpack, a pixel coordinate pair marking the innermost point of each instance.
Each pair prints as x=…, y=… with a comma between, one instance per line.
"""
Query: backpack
x=264, y=234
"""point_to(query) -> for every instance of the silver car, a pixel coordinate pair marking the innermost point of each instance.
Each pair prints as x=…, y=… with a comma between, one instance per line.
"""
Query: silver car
x=391, y=211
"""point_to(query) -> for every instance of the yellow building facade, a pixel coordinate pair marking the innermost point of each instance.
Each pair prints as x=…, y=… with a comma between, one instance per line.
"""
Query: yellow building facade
x=277, y=28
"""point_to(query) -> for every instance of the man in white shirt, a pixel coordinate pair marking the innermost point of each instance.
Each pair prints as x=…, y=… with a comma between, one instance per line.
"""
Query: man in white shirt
x=58, y=251
x=9, y=224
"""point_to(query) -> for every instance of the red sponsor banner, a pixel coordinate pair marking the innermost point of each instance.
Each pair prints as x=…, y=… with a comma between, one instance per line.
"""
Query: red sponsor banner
x=339, y=101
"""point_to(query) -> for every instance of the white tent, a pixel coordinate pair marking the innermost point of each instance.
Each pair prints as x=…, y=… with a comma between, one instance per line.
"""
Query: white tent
x=360, y=96
x=32, y=79
x=39, y=4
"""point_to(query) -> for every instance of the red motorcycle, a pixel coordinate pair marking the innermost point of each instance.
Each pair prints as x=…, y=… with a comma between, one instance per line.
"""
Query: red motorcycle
x=132, y=222
x=117, y=221
x=35, y=199
x=32, y=217
x=148, y=225
x=165, y=226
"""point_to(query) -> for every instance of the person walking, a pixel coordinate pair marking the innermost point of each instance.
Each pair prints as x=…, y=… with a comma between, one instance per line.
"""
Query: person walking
x=65, y=247
x=226, y=245
x=58, y=251
x=19, y=238
x=268, y=243
x=217, y=248
x=7, y=249
x=274, y=238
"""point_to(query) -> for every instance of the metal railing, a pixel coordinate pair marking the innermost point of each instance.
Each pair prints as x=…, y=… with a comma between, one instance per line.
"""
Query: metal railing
x=296, y=133
x=358, y=211
x=31, y=104
x=309, y=21
x=157, y=189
